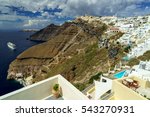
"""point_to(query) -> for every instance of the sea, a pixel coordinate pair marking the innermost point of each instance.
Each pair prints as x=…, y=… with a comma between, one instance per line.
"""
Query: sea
x=7, y=55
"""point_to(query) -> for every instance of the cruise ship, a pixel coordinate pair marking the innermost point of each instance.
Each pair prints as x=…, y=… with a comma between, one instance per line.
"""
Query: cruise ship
x=11, y=45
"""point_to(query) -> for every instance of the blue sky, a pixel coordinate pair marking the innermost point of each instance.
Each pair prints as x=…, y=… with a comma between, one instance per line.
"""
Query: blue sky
x=23, y=14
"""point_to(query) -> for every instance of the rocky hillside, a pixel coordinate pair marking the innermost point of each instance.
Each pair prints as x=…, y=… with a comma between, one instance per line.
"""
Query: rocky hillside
x=70, y=50
x=46, y=33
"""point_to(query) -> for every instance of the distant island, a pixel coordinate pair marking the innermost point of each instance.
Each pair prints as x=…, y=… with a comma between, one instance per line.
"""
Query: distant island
x=30, y=30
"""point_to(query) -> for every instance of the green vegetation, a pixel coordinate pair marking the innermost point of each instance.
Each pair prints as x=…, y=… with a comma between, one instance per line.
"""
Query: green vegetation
x=111, y=24
x=127, y=48
x=80, y=86
x=56, y=87
x=116, y=36
x=133, y=61
x=83, y=62
x=95, y=77
x=144, y=57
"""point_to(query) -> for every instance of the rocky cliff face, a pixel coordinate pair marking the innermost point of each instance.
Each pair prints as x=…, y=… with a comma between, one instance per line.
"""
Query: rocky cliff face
x=45, y=34
x=71, y=50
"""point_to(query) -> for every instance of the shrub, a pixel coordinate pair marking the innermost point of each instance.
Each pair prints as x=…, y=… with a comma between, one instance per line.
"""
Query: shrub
x=95, y=77
x=127, y=48
x=56, y=87
x=80, y=86
x=133, y=62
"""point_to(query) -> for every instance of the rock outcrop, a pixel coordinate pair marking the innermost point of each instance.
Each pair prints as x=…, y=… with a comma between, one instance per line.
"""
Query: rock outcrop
x=45, y=33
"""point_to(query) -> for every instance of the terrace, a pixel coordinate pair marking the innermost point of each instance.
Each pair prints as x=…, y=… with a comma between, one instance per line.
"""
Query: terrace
x=122, y=92
x=130, y=88
x=43, y=91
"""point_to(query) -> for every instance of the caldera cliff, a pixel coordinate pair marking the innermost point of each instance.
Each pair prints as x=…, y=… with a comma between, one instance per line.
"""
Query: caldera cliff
x=71, y=50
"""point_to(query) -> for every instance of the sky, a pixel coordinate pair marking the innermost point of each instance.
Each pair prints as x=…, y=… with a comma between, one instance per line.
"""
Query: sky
x=25, y=14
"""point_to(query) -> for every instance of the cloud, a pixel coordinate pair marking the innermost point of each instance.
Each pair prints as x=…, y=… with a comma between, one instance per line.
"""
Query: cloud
x=103, y=7
x=36, y=23
x=34, y=13
x=33, y=5
x=7, y=25
x=12, y=18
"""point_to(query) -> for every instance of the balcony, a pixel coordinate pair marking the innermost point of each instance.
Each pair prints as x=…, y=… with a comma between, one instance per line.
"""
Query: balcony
x=43, y=91
x=126, y=91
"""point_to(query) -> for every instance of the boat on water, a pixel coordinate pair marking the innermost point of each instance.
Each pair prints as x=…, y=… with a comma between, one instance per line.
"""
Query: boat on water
x=11, y=45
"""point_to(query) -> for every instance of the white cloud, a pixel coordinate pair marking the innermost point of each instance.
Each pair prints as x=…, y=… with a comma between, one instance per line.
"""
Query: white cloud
x=36, y=23
x=33, y=5
x=12, y=17
x=102, y=7
x=10, y=26
x=70, y=8
x=74, y=7
x=46, y=15
x=4, y=9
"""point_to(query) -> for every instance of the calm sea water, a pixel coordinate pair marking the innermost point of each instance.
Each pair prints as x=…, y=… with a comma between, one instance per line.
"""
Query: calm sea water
x=7, y=56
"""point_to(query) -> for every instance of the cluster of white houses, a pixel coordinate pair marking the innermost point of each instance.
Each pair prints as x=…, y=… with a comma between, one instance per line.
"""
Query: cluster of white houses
x=136, y=33
x=140, y=49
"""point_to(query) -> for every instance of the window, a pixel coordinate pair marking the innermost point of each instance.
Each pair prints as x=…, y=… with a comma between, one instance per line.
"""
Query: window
x=104, y=80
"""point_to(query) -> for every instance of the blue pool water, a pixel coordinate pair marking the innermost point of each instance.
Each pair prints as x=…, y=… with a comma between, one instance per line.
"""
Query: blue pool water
x=120, y=74
x=126, y=58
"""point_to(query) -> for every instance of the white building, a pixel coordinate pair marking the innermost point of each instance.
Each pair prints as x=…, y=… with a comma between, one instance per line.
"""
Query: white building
x=143, y=70
x=140, y=49
x=102, y=89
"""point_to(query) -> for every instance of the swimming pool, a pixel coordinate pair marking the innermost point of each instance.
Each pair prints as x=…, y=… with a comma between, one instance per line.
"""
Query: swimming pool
x=126, y=58
x=120, y=74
